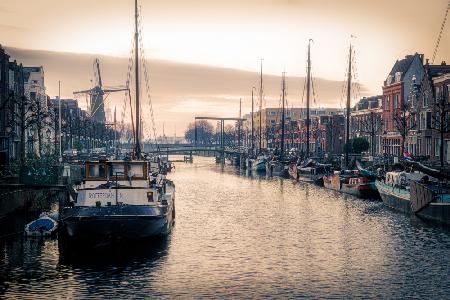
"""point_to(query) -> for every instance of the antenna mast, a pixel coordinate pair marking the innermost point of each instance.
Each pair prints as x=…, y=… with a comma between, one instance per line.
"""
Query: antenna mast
x=283, y=90
x=349, y=87
x=136, y=59
x=308, y=92
x=239, y=124
x=260, y=106
x=253, y=129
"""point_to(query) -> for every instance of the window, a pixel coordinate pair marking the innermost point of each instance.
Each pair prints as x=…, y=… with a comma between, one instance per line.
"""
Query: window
x=437, y=146
x=389, y=79
x=428, y=146
x=96, y=171
x=118, y=169
x=428, y=119
x=137, y=170
x=448, y=93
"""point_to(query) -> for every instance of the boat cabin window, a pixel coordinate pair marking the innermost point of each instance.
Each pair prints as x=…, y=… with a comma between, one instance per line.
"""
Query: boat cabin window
x=96, y=171
x=137, y=170
x=118, y=169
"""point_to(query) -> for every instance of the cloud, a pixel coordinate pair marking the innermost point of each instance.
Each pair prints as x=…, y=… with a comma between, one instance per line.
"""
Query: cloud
x=179, y=91
x=11, y=27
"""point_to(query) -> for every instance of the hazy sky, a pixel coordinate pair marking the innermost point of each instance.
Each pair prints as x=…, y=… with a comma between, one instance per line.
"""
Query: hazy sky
x=226, y=34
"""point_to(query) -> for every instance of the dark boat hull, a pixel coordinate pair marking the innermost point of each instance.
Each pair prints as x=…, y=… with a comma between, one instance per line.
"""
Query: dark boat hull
x=394, y=201
x=121, y=222
x=435, y=211
x=364, y=191
x=360, y=191
x=316, y=179
x=278, y=169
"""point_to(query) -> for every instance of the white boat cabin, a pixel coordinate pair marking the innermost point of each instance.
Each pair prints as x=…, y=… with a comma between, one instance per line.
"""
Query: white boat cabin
x=401, y=179
x=131, y=173
x=119, y=182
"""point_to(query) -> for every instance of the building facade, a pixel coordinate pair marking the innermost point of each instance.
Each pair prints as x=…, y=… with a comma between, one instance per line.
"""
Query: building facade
x=11, y=98
x=270, y=123
x=366, y=120
x=397, y=90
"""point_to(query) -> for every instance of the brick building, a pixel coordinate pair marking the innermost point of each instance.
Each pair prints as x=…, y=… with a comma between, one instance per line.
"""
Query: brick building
x=397, y=90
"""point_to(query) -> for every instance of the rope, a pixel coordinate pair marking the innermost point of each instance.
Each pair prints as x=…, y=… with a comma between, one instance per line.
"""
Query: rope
x=146, y=77
x=315, y=99
x=440, y=33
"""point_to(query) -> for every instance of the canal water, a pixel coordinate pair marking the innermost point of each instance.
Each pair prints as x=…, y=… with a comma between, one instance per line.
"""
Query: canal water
x=242, y=237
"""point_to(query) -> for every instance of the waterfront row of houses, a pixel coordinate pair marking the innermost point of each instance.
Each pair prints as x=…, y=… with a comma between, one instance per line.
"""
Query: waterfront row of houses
x=29, y=118
x=411, y=114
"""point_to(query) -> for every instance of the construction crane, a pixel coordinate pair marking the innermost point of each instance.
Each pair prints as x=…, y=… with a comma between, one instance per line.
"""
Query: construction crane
x=97, y=94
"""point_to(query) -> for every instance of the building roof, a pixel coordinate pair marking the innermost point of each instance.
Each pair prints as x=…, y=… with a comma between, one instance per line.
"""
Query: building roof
x=402, y=66
x=437, y=70
x=368, y=103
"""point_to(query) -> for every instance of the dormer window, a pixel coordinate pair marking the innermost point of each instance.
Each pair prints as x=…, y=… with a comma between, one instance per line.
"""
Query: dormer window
x=398, y=76
x=389, y=79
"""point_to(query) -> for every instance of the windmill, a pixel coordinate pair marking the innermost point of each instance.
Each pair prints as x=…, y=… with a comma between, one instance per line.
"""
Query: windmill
x=97, y=94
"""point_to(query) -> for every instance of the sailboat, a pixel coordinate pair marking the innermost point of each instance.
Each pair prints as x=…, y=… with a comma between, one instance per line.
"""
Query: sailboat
x=350, y=181
x=258, y=164
x=278, y=165
x=308, y=170
x=121, y=200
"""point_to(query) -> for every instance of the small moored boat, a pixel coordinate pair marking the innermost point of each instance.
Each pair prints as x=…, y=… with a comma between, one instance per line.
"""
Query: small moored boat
x=43, y=226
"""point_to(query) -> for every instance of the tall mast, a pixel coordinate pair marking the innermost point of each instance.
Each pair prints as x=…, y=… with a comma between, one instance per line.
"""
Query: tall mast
x=308, y=92
x=260, y=106
x=349, y=86
x=115, y=133
x=253, y=128
x=59, y=121
x=136, y=68
x=283, y=91
x=239, y=124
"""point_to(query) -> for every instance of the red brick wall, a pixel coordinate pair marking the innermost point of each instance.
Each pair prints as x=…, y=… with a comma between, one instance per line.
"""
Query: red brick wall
x=388, y=110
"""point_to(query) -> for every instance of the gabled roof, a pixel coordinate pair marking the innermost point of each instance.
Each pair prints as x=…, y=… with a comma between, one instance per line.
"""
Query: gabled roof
x=403, y=65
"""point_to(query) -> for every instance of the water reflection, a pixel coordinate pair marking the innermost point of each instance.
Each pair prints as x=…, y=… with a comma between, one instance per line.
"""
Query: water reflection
x=102, y=256
x=244, y=236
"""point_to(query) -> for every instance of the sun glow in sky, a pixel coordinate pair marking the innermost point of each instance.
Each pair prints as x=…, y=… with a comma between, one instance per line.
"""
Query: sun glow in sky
x=236, y=33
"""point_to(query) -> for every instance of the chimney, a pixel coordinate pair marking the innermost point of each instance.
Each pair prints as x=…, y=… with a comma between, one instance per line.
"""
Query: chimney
x=427, y=63
x=421, y=57
x=443, y=63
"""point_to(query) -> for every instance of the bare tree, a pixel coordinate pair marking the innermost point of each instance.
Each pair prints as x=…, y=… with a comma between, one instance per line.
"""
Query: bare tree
x=403, y=124
x=23, y=115
x=441, y=122
x=372, y=125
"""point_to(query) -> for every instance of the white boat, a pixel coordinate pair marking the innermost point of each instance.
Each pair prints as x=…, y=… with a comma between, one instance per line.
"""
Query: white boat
x=120, y=200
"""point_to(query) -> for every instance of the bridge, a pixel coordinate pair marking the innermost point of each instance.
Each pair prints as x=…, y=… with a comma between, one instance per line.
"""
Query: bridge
x=192, y=148
x=201, y=149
